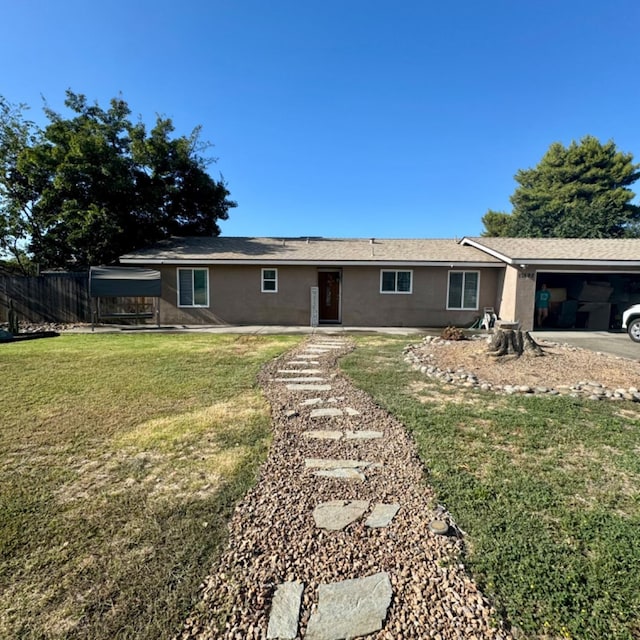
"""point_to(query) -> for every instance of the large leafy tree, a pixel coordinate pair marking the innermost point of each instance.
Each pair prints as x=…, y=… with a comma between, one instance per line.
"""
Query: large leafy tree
x=579, y=191
x=16, y=134
x=88, y=188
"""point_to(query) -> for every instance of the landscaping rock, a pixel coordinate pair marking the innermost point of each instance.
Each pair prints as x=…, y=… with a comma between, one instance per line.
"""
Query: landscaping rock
x=337, y=514
x=285, y=611
x=382, y=515
x=350, y=608
x=321, y=434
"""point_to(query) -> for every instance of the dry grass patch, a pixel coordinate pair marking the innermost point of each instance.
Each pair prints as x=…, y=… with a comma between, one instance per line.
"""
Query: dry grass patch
x=118, y=475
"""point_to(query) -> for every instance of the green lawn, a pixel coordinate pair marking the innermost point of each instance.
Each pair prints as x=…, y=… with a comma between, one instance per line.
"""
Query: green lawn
x=546, y=490
x=121, y=457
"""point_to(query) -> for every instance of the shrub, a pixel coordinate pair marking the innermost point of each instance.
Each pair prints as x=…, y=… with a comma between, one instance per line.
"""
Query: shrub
x=453, y=333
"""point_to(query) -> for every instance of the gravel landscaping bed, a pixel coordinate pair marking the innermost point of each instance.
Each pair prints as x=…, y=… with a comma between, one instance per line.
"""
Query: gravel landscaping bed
x=273, y=537
x=562, y=370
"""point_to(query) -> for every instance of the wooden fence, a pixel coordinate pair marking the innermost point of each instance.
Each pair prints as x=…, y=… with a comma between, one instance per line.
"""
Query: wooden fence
x=57, y=297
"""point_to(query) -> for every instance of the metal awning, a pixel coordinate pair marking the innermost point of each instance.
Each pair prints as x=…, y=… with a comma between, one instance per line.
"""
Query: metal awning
x=124, y=282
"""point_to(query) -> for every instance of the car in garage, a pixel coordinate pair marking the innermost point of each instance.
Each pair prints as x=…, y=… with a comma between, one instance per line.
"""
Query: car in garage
x=631, y=322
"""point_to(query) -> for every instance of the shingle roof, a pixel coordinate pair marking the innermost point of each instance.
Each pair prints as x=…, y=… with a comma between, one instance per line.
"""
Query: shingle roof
x=308, y=250
x=563, y=250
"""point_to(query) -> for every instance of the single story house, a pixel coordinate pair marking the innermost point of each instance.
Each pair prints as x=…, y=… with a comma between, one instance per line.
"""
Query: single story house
x=391, y=282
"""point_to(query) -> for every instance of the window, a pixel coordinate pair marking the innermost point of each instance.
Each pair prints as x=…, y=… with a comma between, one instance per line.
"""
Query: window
x=395, y=281
x=269, y=281
x=193, y=287
x=463, y=290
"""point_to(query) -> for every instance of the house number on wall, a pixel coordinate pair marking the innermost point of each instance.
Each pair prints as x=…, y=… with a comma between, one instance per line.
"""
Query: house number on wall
x=530, y=275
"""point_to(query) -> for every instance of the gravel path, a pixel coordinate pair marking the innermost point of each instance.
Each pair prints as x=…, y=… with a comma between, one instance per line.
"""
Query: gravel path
x=274, y=539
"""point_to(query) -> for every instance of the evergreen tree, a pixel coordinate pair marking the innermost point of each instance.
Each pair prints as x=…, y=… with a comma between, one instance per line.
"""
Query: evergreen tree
x=579, y=191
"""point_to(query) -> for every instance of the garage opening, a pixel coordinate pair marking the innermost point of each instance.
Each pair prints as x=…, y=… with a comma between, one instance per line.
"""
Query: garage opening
x=590, y=301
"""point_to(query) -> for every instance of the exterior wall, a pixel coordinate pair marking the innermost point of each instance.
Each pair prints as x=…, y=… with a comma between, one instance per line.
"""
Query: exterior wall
x=525, y=298
x=517, y=296
x=235, y=297
x=426, y=306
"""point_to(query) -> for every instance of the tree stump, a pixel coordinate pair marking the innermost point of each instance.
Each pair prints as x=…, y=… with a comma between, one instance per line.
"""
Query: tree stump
x=513, y=342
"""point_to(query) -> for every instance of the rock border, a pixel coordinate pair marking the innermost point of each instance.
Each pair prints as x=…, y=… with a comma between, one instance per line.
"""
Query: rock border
x=584, y=389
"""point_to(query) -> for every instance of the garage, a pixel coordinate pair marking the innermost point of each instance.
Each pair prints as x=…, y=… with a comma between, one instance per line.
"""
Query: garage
x=593, y=301
x=591, y=280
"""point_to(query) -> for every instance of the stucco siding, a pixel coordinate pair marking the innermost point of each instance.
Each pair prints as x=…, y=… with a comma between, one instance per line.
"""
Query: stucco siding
x=364, y=305
x=235, y=297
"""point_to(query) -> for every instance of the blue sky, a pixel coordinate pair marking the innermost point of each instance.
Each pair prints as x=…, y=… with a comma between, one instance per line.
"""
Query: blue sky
x=346, y=118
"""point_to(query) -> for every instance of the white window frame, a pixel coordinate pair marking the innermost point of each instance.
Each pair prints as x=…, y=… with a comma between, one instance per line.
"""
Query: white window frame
x=193, y=270
x=263, y=279
x=464, y=277
x=396, y=272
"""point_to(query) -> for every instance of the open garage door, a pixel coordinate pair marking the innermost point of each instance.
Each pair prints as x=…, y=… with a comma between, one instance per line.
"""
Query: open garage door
x=588, y=300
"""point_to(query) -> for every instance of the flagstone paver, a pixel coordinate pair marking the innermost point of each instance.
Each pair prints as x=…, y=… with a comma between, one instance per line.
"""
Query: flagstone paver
x=342, y=473
x=326, y=412
x=337, y=514
x=330, y=463
x=285, y=611
x=309, y=387
x=382, y=515
x=322, y=434
x=310, y=401
x=350, y=608
x=304, y=371
x=363, y=434
x=300, y=379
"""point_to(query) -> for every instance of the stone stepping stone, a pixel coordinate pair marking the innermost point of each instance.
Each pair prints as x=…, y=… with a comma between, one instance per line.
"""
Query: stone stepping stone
x=335, y=515
x=304, y=371
x=363, y=434
x=350, y=608
x=310, y=402
x=309, y=387
x=343, y=469
x=285, y=611
x=326, y=412
x=330, y=463
x=303, y=363
x=320, y=434
x=333, y=412
x=382, y=515
x=306, y=356
x=342, y=474
x=305, y=379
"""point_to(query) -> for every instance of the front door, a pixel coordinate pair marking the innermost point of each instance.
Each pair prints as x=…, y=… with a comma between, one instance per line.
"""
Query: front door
x=329, y=294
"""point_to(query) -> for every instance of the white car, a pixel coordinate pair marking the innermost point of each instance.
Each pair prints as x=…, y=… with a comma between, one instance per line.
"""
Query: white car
x=631, y=322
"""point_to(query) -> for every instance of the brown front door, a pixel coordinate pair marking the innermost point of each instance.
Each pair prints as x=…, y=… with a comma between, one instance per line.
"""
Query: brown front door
x=329, y=294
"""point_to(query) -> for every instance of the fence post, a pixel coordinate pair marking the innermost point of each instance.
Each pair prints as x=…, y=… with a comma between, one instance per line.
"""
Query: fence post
x=12, y=317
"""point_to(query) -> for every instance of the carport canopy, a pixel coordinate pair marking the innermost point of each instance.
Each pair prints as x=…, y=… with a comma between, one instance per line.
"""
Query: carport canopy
x=124, y=282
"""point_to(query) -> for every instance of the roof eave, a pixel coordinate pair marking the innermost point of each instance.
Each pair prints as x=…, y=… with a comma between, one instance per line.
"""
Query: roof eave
x=492, y=252
x=309, y=263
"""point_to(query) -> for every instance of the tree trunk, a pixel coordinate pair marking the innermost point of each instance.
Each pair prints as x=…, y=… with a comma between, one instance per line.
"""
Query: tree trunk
x=513, y=342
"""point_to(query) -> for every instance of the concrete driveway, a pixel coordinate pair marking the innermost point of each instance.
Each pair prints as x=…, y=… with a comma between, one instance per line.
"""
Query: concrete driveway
x=615, y=343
